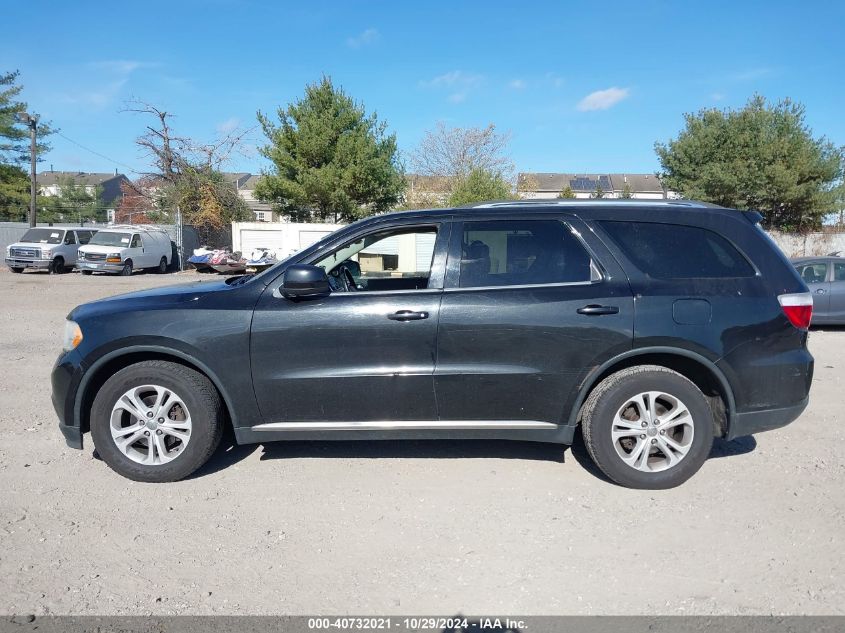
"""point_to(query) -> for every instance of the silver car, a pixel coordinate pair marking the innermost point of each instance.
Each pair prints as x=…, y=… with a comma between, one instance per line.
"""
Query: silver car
x=49, y=248
x=825, y=276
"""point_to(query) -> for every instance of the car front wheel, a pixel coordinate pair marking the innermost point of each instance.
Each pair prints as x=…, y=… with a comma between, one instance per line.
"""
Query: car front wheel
x=156, y=421
x=648, y=427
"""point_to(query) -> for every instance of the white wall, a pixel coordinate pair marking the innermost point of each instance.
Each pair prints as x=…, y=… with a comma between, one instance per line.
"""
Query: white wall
x=285, y=239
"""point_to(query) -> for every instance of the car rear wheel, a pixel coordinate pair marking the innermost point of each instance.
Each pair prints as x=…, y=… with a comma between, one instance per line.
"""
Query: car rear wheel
x=86, y=272
x=648, y=427
x=156, y=421
x=162, y=266
x=16, y=269
x=127, y=269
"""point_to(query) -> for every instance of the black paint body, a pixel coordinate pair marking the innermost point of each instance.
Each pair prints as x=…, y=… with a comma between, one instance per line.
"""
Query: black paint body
x=510, y=353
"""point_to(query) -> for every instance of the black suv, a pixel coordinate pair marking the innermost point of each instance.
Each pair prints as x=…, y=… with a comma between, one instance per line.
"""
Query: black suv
x=655, y=326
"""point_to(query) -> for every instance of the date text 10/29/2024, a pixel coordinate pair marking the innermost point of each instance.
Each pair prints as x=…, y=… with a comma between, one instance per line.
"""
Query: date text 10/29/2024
x=421, y=623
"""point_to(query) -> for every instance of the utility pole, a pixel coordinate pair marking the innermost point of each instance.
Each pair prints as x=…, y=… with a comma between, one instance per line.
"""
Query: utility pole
x=31, y=121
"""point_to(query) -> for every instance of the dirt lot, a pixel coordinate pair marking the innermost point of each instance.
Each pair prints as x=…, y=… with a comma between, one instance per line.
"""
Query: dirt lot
x=398, y=528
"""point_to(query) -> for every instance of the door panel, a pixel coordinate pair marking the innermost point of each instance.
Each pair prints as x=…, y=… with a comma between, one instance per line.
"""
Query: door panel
x=837, y=293
x=520, y=352
x=815, y=275
x=342, y=358
x=359, y=355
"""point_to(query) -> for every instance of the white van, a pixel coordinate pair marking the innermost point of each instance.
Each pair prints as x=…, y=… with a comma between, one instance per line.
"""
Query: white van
x=122, y=249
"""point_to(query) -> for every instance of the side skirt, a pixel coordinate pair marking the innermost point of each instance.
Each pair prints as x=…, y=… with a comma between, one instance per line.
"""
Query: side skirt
x=525, y=430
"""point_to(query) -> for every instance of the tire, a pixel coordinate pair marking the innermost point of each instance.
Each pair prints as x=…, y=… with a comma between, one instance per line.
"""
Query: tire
x=57, y=266
x=16, y=269
x=162, y=266
x=193, y=397
x=126, y=271
x=86, y=272
x=664, y=453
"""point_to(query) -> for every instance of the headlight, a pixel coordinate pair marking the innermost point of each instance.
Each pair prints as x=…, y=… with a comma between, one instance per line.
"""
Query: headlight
x=73, y=335
x=80, y=255
x=46, y=254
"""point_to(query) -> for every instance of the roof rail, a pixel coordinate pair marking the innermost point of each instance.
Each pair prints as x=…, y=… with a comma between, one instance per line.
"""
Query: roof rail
x=575, y=202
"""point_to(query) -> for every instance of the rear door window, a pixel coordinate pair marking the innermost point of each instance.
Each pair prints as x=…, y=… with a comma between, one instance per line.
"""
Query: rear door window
x=677, y=251
x=839, y=272
x=812, y=272
x=522, y=252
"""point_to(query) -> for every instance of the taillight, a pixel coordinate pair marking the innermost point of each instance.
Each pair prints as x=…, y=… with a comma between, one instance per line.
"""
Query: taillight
x=798, y=308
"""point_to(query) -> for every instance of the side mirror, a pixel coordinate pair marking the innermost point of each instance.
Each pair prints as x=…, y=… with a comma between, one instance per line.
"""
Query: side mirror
x=302, y=281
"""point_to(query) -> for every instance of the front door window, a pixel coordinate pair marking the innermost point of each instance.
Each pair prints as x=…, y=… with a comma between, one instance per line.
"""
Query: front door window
x=397, y=259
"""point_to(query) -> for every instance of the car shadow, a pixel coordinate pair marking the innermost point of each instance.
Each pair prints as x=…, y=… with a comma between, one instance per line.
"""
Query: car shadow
x=721, y=448
x=230, y=452
x=227, y=454
x=827, y=328
x=425, y=449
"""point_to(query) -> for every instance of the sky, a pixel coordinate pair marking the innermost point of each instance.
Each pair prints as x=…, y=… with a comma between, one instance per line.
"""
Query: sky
x=581, y=87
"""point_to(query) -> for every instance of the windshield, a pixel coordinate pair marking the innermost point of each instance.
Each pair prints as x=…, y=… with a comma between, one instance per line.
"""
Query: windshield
x=106, y=238
x=43, y=236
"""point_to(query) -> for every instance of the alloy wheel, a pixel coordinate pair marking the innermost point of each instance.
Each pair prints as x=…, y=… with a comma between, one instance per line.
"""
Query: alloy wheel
x=652, y=431
x=151, y=425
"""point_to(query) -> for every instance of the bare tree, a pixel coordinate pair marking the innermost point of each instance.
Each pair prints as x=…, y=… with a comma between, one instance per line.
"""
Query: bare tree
x=455, y=152
x=172, y=155
x=189, y=171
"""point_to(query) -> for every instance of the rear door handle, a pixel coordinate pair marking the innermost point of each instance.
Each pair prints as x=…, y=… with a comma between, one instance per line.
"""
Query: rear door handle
x=407, y=315
x=597, y=309
x=821, y=291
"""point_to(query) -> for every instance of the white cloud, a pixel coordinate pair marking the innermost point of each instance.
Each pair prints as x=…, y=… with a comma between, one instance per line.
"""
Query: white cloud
x=553, y=78
x=368, y=36
x=516, y=84
x=717, y=96
x=120, y=66
x=459, y=83
x=228, y=126
x=602, y=99
x=751, y=74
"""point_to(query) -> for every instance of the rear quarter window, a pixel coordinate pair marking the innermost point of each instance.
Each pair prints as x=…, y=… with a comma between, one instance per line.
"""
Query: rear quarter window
x=678, y=251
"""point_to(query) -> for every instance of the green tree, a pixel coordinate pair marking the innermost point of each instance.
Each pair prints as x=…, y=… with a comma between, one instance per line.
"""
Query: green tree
x=761, y=157
x=566, y=193
x=626, y=191
x=74, y=203
x=14, y=193
x=330, y=159
x=599, y=192
x=14, y=135
x=480, y=185
x=206, y=200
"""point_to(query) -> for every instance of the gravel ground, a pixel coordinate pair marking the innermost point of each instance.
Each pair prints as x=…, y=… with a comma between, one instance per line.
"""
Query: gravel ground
x=411, y=527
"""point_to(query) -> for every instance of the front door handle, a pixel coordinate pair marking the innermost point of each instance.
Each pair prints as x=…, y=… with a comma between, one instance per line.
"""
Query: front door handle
x=407, y=315
x=593, y=309
x=821, y=291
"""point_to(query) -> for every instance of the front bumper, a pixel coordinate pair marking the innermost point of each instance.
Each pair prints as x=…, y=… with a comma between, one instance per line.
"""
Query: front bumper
x=17, y=262
x=65, y=379
x=99, y=266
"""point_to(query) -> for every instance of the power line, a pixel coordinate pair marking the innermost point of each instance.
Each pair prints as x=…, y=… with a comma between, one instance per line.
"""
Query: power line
x=88, y=149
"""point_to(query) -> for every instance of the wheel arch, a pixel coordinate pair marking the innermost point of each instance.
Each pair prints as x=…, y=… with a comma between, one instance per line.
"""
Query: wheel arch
x=107, y=365
x=698, y=369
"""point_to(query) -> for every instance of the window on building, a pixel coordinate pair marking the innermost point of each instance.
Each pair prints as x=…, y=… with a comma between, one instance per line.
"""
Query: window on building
x=523, y=252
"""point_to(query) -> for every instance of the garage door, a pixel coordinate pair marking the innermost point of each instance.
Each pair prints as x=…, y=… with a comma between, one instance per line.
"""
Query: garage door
x=253, y=239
